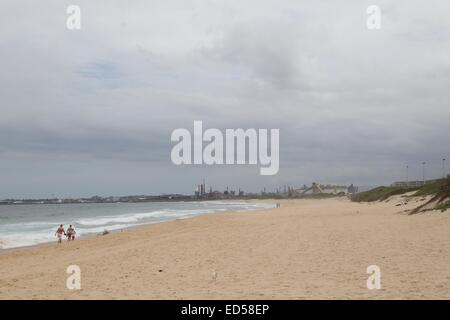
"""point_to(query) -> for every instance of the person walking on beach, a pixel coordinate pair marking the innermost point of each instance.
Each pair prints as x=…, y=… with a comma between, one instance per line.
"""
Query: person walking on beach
x=70, y=233
x=59, y=232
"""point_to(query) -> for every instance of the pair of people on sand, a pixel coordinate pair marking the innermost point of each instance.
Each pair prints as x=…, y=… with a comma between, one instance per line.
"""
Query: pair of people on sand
x=70, y=233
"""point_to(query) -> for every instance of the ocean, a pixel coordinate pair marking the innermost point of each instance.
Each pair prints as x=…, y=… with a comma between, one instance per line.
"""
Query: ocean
x=24, y=225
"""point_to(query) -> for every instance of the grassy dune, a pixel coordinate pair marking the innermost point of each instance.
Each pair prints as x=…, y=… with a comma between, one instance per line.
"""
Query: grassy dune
x=439, y=190
x=380, y=193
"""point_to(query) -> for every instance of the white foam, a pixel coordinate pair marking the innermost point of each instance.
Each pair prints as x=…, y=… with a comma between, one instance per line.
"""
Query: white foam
x=124, y=218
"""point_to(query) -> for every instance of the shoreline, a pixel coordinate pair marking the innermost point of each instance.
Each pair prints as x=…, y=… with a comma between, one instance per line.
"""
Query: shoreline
x=307, y=249
x=96, y=235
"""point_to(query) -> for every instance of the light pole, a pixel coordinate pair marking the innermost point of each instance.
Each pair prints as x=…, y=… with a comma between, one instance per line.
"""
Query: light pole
x=423, y=172
x=443, y=168
x=407, y=175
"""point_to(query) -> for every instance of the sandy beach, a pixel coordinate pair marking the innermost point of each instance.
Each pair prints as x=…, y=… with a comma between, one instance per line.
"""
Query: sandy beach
x=307, y=249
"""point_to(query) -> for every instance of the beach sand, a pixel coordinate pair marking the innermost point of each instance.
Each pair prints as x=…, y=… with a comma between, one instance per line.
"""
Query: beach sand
x=307, y=249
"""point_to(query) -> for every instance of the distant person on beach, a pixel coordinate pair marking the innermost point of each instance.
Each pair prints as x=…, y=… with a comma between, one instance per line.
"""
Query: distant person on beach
x=71, y=233
x=60, y=232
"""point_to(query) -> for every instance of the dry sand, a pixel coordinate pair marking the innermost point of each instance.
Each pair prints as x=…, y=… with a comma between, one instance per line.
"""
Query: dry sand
x=307, y=249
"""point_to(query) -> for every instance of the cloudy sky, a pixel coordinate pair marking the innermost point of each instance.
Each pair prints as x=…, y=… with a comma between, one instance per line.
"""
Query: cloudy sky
x=90, y=112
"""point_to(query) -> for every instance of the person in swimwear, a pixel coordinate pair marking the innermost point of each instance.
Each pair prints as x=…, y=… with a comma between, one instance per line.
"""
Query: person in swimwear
x=70, y=233
x=60, y=232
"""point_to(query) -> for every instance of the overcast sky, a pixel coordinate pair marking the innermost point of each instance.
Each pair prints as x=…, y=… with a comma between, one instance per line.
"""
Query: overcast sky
x=90, y=112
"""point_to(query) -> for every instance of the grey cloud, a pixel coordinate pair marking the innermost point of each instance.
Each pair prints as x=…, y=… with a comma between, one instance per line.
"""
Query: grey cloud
x=91, y=111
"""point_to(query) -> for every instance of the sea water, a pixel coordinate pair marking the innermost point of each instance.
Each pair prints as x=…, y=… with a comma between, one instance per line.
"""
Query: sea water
x=24, y=225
